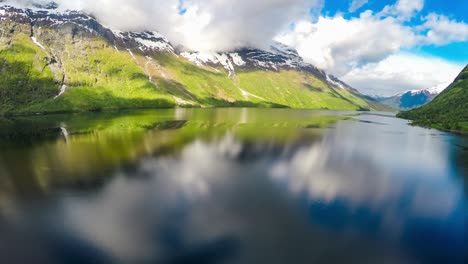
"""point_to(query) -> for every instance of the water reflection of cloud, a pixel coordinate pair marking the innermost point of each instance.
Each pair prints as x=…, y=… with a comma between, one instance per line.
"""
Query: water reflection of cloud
x=207, y=192
x=120, y=220
x=226, y=194
x=404, y=148
x=348, y=190
x=400, y=178
x=196, y=167
x=201, y=201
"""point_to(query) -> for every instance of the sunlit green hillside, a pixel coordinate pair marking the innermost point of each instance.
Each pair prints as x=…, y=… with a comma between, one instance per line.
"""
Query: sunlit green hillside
x=448, y=111
x=62, y=72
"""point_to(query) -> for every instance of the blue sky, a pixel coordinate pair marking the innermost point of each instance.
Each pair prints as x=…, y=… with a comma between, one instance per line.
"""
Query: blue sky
x=454, y=9
x=384, y=47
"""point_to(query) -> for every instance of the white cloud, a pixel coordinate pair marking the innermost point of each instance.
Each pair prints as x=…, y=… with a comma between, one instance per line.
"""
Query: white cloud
x=441, y=30
x=357, y=4
x=408, y=8
x=338, y=45
x=207, y=25
x=401, y=72
x=366, y=50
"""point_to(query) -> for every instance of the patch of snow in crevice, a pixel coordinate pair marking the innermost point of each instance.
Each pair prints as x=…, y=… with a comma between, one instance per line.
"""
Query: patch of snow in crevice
x=332, y=82
x=237, y=59
x=34, y=39
x=116, y=33
x=63, y=89
x=131, y=54
x=150, y=62
x=227, y=64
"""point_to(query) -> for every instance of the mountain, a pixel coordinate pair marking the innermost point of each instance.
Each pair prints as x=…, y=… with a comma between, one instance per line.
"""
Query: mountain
x=447, y=111
x=63, y=61
x=409, y=100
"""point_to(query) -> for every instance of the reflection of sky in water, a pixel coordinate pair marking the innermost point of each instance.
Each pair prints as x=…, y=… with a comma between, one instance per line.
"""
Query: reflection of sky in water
x=361, y=177
x=362, y=193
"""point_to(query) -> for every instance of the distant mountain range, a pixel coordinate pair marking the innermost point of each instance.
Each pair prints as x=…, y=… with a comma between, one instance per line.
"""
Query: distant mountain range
x=448, y=111
x=63, y=61
x=411, y=99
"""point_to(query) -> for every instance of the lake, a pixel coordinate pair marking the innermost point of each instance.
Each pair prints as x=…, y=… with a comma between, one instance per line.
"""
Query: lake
x=231, y=186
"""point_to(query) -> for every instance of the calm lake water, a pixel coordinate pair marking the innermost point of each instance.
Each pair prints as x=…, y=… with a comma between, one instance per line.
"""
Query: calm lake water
x=231, y=186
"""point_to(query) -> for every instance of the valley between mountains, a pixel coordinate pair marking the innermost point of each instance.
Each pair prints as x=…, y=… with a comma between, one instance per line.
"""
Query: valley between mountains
x=53, y=61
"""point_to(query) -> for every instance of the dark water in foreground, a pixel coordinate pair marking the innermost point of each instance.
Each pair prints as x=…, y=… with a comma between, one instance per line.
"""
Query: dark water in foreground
x=231, y=186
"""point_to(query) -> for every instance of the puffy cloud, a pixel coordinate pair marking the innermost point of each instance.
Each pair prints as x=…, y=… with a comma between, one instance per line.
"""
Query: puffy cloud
x=200, y=24
x=441, y=30
x=402, y=72
x=408, y=8
x=403, y=10
x=357, y=4
x=366, y=50
x=339, y=45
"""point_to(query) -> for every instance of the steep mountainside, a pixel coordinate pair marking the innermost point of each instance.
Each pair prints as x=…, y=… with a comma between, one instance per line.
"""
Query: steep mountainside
x=409, y=100
x=448, y=111
x=53, y=61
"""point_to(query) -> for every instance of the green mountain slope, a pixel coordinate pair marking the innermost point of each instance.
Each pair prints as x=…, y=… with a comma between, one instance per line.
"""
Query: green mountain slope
x=76, y=64
x=448, y=111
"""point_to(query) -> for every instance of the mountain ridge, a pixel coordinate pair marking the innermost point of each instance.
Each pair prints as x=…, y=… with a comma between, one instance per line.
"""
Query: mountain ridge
x=408, y=100
x=92, y=67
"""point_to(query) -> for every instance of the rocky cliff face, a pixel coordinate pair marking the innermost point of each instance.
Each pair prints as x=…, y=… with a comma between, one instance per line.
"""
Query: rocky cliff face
x=71, y=62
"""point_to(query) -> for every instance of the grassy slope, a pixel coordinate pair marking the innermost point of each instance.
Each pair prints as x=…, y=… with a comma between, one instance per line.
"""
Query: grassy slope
x=98, y=77
x=24, y=78
x=97, y=82
x=448, y=111
x=298, y=90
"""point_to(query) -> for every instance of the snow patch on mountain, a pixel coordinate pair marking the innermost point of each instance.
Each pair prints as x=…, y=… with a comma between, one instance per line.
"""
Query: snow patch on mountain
x=237, y=59
x=439, y=88
x=277, y=57
x=48, y=16
x=206, y=58
x=146, y=41
x=63, y=89
x=332, y=82
x=34, y=39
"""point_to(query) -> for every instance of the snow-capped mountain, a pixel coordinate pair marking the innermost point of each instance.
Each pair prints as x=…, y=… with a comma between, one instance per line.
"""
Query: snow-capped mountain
x=279, y=56
x=73, y=42
x=413, y=98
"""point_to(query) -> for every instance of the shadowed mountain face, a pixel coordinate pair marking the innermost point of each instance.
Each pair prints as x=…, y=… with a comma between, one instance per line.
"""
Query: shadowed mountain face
x=449, y=110
x=70, y=62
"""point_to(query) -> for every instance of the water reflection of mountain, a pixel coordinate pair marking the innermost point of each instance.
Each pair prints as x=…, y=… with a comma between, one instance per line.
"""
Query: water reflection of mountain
x=81, y=151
